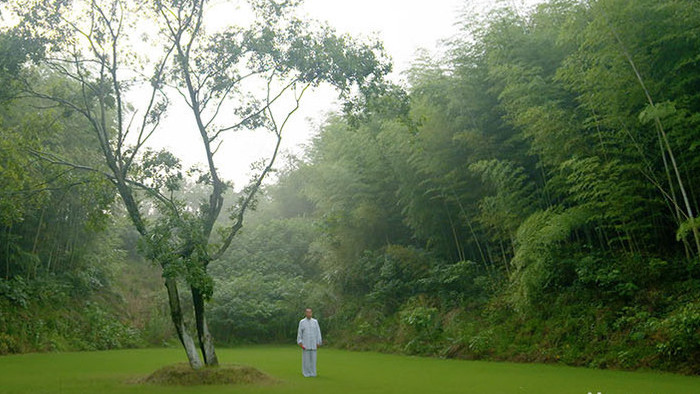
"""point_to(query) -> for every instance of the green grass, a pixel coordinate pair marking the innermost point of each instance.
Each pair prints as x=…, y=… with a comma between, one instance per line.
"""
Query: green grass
x=339, y=372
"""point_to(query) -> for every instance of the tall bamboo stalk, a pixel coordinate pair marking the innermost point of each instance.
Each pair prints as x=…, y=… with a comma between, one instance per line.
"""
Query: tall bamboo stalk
x=660, y=130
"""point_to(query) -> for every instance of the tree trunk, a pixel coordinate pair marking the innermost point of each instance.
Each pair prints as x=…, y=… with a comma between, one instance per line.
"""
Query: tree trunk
x=179, y=322
x=8, y=232
x=206, y=342
x=38, y=230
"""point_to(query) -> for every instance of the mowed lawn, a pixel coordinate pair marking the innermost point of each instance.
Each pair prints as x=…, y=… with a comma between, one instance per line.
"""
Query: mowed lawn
x=339, y=372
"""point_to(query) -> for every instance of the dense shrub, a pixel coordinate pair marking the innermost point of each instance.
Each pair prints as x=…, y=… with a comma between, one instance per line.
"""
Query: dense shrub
x=41, y=315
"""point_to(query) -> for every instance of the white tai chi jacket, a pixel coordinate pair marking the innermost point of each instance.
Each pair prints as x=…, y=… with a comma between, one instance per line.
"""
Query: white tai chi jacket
x=309, y=334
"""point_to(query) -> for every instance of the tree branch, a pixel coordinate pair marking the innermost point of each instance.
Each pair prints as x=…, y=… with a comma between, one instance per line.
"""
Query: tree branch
x=256, y=113
x=250, y=197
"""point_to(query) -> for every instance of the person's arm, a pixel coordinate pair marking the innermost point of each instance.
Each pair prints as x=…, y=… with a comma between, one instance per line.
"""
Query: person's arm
x=300, y=333
x=318, y=330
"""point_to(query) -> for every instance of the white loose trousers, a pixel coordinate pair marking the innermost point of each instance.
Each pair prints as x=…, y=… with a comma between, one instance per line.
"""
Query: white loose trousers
x=308, y=362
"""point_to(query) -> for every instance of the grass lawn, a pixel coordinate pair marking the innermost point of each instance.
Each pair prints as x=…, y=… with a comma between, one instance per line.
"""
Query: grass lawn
x=339, y=372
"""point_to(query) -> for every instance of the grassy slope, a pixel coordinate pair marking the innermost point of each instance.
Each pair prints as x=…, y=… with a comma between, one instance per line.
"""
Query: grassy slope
x=339, y=371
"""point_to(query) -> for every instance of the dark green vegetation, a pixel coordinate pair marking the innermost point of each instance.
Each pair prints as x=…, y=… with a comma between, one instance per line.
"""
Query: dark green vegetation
x=60, y=256
x=531, y=197
x=339, y=372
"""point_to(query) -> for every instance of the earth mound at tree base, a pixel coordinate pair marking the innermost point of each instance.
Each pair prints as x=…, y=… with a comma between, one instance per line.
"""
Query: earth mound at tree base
x=183, y=375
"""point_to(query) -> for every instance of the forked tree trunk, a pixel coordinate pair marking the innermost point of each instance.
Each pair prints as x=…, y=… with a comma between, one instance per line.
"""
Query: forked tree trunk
x=206, y=342
x=179, y=322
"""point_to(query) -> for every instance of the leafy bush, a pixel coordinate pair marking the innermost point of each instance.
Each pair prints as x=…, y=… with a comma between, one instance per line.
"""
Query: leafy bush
x=15, y=290
x=105, y=332
x=400, y=272
x=538, y=246
x=420, y=326
x=606, y=276
x=258, y=308
x=458, y=283
x=681, y=336
x=8, y=344
x=40, y=315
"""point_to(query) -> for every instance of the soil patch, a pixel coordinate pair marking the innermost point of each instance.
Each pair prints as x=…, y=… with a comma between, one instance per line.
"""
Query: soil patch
x=183, y=375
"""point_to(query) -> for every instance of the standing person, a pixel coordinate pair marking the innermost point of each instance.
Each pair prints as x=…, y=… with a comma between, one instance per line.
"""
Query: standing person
x=309, y=339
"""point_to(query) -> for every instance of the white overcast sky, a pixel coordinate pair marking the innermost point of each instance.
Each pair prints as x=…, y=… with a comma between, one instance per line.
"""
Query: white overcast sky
x=403, y=26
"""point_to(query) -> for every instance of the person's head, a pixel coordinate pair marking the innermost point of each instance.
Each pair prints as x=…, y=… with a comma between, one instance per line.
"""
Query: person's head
x=308, y=312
